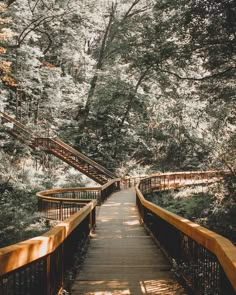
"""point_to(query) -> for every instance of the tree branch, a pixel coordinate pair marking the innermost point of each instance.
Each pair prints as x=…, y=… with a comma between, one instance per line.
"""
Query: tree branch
x=232, y=170
x=137, y=12
x=35, y=24
x=195, y=78
x=105, y=37
x=127, y=14
x=33, y=9
x=131, y=96
x=49, y=40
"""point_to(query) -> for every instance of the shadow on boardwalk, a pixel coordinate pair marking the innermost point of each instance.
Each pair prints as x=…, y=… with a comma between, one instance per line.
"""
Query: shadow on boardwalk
x=122, y=258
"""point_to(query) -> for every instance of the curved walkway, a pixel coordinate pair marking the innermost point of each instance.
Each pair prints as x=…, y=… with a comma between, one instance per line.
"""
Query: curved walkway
x=122, y=258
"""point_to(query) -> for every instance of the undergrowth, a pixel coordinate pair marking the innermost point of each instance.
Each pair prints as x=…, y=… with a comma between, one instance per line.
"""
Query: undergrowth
x=212, y=206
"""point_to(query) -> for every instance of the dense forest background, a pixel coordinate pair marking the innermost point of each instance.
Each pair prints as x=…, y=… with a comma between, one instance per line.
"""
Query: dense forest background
x=139, y=86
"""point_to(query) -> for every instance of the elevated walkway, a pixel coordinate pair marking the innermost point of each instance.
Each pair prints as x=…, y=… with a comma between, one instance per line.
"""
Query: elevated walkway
x=122, y=258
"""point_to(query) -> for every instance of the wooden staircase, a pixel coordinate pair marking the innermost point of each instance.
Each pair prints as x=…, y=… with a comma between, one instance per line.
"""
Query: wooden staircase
x=59, y=149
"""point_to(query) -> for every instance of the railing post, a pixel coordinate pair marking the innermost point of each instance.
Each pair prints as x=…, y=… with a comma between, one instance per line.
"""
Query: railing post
x=90, y=221
x=48, y=275
x=118, y=185
x=92, y=218
x=100, y=197
x=61, y=210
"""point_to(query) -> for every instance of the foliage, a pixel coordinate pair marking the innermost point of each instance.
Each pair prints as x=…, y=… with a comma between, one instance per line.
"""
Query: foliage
x=142, y=83
x=137, y=81
x=19, y=219
x=190, y=203
x=212, y=207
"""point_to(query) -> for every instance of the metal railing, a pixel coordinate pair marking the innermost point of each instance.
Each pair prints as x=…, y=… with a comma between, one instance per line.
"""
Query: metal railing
x=74, y=158
x=60, y=149
x=39, y=266
x=168, y=179
x=206, y=260
x=58, y=204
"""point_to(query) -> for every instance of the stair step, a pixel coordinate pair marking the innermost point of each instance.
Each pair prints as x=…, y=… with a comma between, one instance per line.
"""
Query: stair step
x=59, y=149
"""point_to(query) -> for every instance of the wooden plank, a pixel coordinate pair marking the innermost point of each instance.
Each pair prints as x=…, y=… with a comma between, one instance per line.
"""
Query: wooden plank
x=122, y=258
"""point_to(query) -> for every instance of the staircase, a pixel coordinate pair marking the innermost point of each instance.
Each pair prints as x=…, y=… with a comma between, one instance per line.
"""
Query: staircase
x=59, y=149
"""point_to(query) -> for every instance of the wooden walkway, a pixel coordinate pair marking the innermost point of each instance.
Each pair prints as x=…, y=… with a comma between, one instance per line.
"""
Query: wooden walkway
x=122, y=258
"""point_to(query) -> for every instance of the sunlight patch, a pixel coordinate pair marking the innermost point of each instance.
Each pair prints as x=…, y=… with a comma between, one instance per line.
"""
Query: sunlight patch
x=134, y=222
x=160, y=287
x=115, y=292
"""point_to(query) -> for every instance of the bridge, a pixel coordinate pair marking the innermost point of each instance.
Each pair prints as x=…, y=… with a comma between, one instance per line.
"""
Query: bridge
x=132, y=245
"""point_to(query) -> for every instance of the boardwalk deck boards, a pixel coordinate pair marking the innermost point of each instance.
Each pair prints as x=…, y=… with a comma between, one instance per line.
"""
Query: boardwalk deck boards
x=122, y=259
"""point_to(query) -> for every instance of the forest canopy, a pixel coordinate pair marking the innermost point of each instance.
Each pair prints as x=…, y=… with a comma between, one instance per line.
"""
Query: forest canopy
x=132, y=84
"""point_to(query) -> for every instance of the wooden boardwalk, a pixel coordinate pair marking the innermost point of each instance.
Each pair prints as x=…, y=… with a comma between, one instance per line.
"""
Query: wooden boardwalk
x=122, y=258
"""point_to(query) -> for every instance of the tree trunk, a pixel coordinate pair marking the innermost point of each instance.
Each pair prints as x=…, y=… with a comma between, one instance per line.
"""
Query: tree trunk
x=99, y=65
x=131, y=97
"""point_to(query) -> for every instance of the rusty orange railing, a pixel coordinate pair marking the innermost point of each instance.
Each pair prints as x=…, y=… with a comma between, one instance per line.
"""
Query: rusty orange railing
x=206, y=260
x=59, y=149
x=39, y=265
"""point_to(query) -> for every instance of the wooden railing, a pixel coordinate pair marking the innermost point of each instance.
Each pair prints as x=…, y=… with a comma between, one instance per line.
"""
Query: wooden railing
x=206, y=260
x=59, y=149
x=131, y=181
x=74, y=158
x=166, y=180
x=17, y=129
x=58, y=204
x=39, y=266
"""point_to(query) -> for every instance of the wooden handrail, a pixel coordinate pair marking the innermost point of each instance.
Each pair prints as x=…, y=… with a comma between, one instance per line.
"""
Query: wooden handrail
x=110, y=182
x=18, y=255
x=51, y=195
x=83, y=157
x=224, y=250
x=18, y=124
x=95, y=171
x=76, y=189
x=67, y=190
x=53, y=244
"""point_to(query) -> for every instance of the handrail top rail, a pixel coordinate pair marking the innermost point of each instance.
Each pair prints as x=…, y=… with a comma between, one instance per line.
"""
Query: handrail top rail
x=126, y=177
x=75, y=189
x=187, y=173
x=30, y=250
x=111, y=181
x=67, y=190
x=188, y=227
x=217, y=244
x=17, y=123
x=57, y=141
x=66, y=200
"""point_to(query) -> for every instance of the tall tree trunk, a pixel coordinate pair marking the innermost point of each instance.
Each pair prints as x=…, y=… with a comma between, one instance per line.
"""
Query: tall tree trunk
x=131, y=97
x=99, y=65
x=103, y=54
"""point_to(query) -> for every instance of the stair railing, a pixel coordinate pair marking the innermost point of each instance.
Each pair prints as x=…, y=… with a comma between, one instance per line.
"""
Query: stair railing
x=53, y=145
